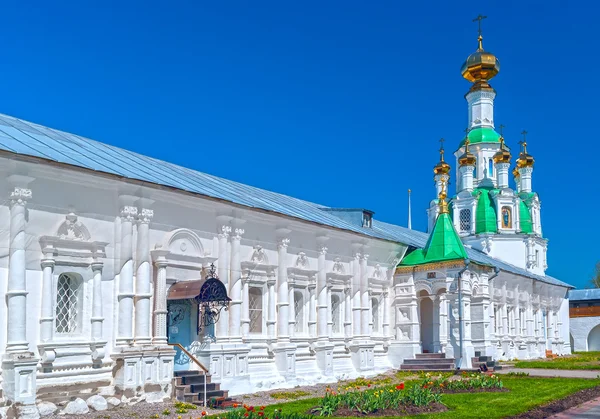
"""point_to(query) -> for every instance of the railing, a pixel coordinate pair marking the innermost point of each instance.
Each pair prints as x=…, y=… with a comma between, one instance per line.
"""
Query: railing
x=195, y=361
x=584, y=311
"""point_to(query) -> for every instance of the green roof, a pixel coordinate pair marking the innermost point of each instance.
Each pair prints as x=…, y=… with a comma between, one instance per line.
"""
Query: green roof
x=482, y=135
x=443, y=245
x=486, y=219
x=525, y=218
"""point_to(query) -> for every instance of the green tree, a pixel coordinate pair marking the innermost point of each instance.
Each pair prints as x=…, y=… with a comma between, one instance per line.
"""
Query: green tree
x=596, y=277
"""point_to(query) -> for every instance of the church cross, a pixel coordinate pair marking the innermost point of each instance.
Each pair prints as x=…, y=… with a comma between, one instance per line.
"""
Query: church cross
x=478, y=19
x=442, y=149
x=502, y=129
x=523, y=142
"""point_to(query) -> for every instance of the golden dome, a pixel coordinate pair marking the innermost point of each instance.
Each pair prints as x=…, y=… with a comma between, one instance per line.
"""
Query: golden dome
x=525, y=159
x=467, y=159
x=442, y=168
x=480, y=67
x=515, y=171
x=503, y=155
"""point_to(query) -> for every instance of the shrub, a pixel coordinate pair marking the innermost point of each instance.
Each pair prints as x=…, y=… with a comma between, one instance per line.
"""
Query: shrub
x=468, y=381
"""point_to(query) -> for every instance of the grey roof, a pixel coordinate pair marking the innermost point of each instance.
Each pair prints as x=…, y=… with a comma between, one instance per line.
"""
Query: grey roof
x=26, y=138
x=583, y=295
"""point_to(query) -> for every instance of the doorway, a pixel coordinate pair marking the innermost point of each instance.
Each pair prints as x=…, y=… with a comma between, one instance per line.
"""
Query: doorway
x=426, y=321
x=182, y=328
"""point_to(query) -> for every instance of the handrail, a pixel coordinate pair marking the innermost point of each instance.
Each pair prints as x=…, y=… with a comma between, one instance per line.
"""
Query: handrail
x=192, y=357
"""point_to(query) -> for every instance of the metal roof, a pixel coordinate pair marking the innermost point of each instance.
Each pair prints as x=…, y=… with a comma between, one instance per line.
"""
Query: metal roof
x=26, y=138
x=583, y=295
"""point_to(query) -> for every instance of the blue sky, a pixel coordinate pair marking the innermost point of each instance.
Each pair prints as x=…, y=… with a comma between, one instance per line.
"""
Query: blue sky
x=336, y=102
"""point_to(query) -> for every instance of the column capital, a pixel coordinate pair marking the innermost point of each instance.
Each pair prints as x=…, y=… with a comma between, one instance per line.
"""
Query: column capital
x=145, y=216
x=237, y=233
x=364, y=257
x=322, y=250
x=128, y=213
x=97, y=266
x=20, y=196
x=283, y=243
x=47, y=263
x=224, y=231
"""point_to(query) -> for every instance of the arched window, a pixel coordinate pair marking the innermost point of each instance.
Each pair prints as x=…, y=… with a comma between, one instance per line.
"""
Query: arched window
x=490, y=168
x=335, y=314
x=299, y=311
x=255, y=307
x=506, y=217
x=465, y=219
x=375, y=313
x=68, y=301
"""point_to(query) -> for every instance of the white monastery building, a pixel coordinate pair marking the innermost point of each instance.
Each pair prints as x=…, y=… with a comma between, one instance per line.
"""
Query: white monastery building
x=106, y=260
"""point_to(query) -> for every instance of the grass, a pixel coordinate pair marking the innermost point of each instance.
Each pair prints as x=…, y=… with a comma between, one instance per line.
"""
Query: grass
x=525, y=394
x=289, y=395
x=577, y=361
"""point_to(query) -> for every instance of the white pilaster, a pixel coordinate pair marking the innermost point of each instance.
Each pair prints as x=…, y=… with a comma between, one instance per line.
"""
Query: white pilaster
x=364, y=292
x=356, y=311
x=235, y=307
x=283, y=313
x=386, y=313
x=466, y=176
x=160, y=297
x=443, y=312
x=142, y=279
x=271, y=316
x=97, y=316
x=16, y=293
x=322, y=334
x=312, y=312
x=47, y=318
x=348, y=312
x=436, y=323
x=222, y=325
x=292, y=310
x=329, y=312
x=245, y=308
x=126, y=293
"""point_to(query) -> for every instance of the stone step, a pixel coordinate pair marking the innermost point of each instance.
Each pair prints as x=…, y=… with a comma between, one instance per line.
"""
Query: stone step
x=430, y=356
x=199, y=397
x=193, y=379
x=189, y=373
x=199, y=388
x=429, y=361
x=428, y=367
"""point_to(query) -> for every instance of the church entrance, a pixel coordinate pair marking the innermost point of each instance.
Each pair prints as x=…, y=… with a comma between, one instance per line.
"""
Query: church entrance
x=426, y=322
x=182, y=329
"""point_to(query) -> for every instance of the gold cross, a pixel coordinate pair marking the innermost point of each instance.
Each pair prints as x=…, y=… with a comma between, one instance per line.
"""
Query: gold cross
x=442, y=149
x=523, y=142
x=478, y=19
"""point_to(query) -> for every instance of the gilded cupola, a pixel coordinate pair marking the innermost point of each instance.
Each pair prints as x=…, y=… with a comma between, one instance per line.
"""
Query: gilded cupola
x=503, y=155
x=442, y=168
x=481, y=66
x=468, y=158
x=525, y=159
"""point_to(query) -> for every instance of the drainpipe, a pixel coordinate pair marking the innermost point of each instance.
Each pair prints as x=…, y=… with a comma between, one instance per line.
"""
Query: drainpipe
x=496, y=273
x=460, y=314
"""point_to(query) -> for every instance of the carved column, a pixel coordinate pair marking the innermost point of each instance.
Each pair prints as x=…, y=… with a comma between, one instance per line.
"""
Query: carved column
x=364, y=292
x=271, y=307
x=16, y=294
x=435, y=299
x=160, y=298
x=329, y=311
x=142, y=280
x=97, y=315
x=312, y=312
x=126, y=294
x=386, y=313
x=348, y=312
x=283, y=313
x=292, y=310
x=223, y=272
x=245, y=308
x=443, y=311
x=235, y=310
x=356, y=310
x=322, y=334
x=47, y=318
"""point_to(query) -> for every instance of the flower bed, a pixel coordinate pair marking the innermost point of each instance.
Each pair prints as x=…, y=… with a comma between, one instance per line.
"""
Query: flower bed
x=468, y=382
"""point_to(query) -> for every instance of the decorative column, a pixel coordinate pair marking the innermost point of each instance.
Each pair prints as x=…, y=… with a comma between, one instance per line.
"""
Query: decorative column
x=436, y=323
x=502, y=174
x=126, y=294
x=364, y=292
x=283, y=292
x=443, y=312
x=245, y=307
x=348, y=312
x=160, y=298
x=223, y=272
x=271, y=307
x=16, y=293
x=322, y=334
x=329, y=311
x=142, y=279
x=312, y=311
x=235, y=310
x=356, y=311
x=525, y=175
x=292, y=310
x=386, y=313
x=47, y=318
x=97, y=315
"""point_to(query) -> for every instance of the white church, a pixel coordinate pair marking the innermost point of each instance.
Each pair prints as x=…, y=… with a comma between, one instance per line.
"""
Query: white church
x=106, y=265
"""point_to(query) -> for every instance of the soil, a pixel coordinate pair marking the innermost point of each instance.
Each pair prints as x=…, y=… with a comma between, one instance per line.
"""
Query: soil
x=402, y=411
x=561, y=405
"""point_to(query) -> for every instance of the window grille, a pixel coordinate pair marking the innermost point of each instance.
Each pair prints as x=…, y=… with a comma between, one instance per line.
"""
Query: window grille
x=465, y=219
x=255, y=307
x=335, y=313
x=67, y=302
x=299, y=311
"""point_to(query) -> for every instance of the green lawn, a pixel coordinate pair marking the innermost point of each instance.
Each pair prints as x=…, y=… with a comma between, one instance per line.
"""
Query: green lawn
x=525, y=394
x=578, y=361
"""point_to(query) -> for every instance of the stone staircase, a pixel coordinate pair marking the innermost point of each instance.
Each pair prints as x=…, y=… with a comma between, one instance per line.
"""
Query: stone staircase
x=477, y=360
x=189, y=388
x=429, y=362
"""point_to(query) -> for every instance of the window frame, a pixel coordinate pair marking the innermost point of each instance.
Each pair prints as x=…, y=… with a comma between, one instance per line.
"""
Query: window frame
x=78, y=331
x=262, y=323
